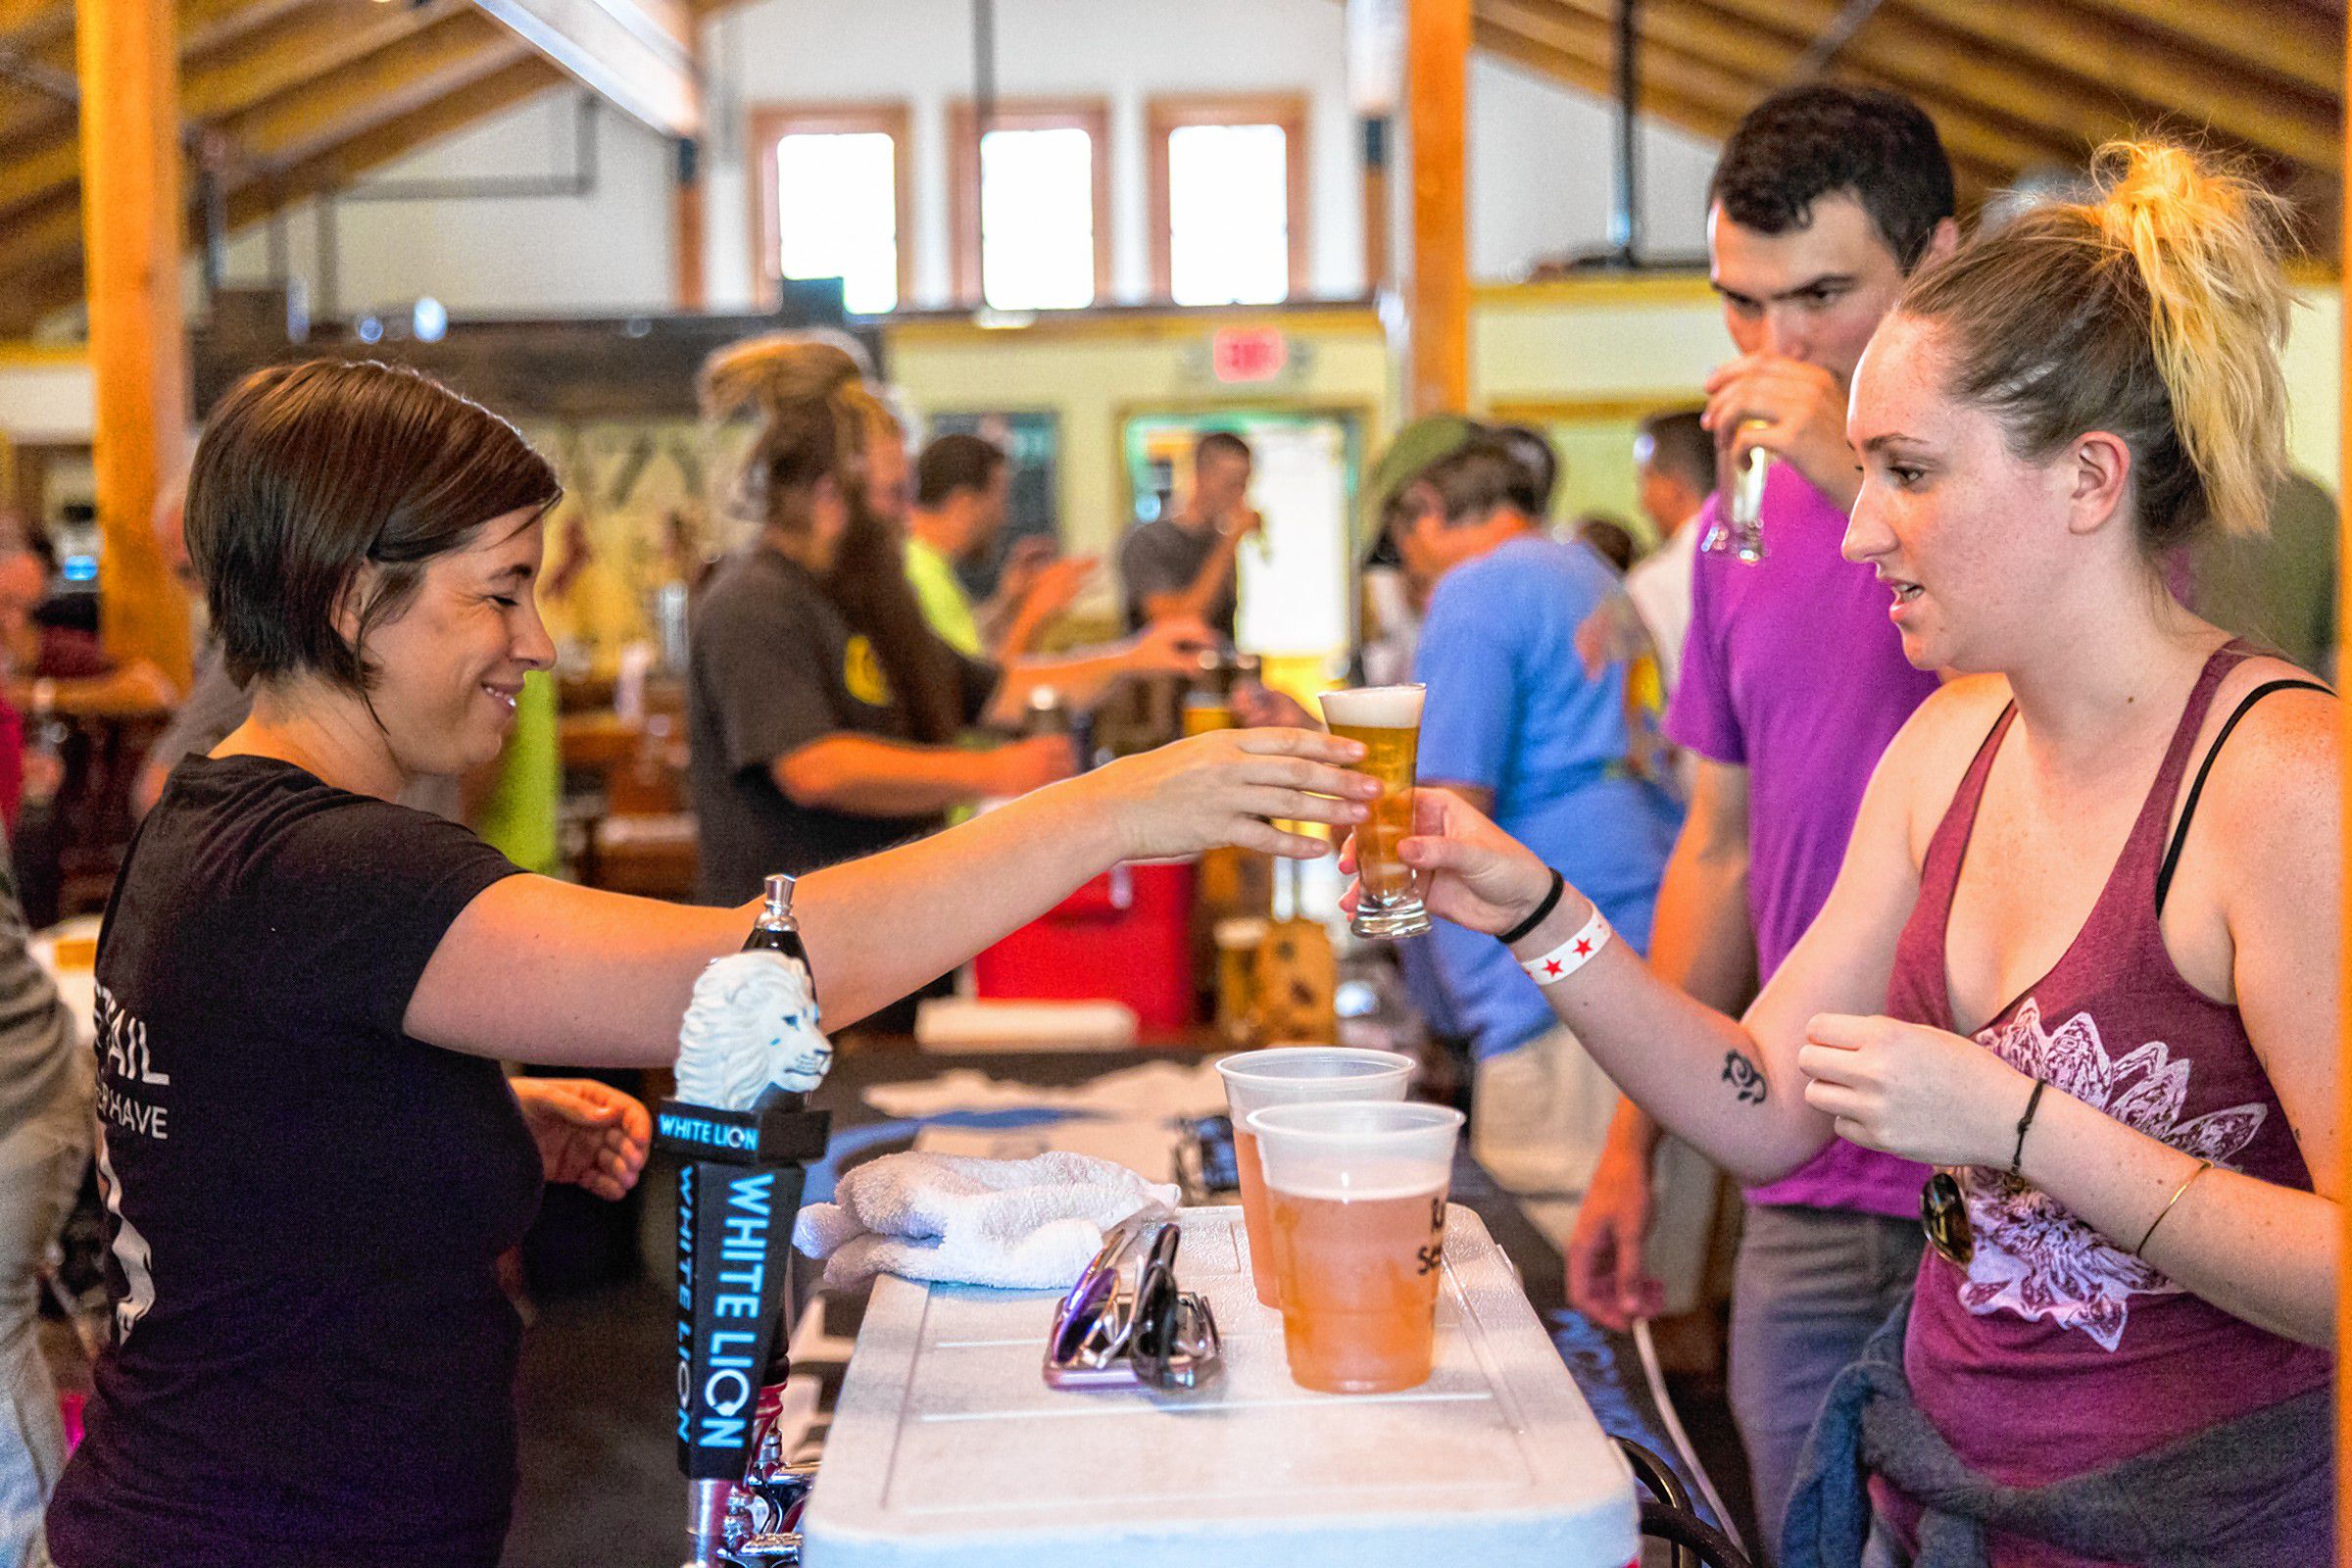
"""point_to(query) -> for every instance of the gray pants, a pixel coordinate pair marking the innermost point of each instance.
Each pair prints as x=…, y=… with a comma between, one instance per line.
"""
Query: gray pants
x=1810, y=1286
x=41, y=1164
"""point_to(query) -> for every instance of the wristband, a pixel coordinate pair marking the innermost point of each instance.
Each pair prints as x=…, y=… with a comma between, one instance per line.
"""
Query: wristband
x=1572, y=955
x=1551, y=901
x=2032, y=1103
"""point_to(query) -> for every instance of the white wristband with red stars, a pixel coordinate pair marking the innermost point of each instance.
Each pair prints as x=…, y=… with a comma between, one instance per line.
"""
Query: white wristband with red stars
x=1572, y=955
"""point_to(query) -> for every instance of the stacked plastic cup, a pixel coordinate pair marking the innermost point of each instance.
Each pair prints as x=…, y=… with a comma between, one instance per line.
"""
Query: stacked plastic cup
x=1355, y=1208
x=1294, y=1075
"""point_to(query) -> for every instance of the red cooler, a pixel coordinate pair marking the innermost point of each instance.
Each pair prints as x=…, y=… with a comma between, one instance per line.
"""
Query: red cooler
x=1122, y=937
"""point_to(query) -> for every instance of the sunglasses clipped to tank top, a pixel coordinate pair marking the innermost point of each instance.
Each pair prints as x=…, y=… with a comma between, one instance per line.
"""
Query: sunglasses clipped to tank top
x=1943, y=1206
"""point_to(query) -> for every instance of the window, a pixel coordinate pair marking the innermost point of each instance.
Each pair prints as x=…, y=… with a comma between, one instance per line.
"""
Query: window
x=1030, y=205
x=1228, y=199
x=831, y=199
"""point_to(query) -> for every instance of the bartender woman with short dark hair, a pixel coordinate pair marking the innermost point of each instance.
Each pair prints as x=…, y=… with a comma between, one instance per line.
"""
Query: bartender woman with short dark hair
x=310, y=1156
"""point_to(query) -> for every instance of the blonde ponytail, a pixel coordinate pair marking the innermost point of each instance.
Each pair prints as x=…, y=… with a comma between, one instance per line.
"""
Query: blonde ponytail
x=2207, y=242
x=815, y=415
x=2155, y=310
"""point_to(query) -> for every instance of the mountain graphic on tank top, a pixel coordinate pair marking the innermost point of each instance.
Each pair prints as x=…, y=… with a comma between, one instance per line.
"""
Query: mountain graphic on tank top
x=2032, y=1257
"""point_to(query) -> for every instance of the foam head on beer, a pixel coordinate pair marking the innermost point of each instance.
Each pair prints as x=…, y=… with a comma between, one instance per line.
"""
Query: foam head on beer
x=1374, y=707
x=752, y=1026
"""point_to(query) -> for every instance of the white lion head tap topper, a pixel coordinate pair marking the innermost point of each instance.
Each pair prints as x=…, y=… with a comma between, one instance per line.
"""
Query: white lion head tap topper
x=753, y=1024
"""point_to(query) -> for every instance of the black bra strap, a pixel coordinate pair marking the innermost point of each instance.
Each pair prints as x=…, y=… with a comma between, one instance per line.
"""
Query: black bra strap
x=2188, y=809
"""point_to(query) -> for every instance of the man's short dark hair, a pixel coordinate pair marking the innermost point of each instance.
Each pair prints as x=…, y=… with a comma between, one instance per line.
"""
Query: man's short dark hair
x=307, y=472
x=955, y=462
x=1824, y=139
x=1679, y=446
x=1539, y=467
x=1220, y=444
x=1474, y=481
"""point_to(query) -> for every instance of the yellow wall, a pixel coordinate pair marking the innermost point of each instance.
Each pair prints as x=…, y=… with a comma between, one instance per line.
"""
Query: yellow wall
x=1095, y=372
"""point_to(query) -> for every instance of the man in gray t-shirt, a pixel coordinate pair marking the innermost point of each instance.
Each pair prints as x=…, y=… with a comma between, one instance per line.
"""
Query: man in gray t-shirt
x=1181, y=565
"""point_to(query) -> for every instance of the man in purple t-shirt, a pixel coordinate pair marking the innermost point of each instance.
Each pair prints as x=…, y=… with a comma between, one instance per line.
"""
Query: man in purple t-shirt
x=1793, y=682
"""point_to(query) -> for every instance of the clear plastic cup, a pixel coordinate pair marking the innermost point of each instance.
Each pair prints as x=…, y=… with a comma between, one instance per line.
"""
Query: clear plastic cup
x=1356, y=1199
x=1293, y=1076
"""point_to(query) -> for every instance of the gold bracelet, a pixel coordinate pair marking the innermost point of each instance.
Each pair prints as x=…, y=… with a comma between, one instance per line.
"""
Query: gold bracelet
x=2203, y=1165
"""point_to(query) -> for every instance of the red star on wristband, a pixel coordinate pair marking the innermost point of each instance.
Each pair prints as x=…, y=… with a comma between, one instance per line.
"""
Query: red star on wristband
x=1583, y=948
x=1552, y=966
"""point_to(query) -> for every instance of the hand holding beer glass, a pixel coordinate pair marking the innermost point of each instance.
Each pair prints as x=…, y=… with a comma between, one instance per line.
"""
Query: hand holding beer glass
x=1293, y=1076
x=1356, y=1200
x=1387, y=719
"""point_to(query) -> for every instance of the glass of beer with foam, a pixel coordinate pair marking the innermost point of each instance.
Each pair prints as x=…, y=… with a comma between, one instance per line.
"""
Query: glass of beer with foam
x=1388, y=720
x=1356, y=1198
x=1293, y=1076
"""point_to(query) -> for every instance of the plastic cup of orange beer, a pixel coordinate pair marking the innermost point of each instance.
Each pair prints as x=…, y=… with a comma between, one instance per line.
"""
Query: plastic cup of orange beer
x=1293, y=1076
x=1356, y=1199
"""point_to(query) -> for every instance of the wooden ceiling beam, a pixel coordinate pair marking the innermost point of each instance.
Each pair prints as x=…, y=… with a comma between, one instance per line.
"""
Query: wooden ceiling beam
x=333, y=167
x=265, y=64
x=28, y=24
x=455, y=51
x=1945, y=76
x=2095, y=60
x=1702, y=117
x=638, y=55
x=202, y=27
x=42, y=285
x=1710, y=109
x=461, y=49
x=309, y=44
x=1739, y=66
x=2300, y=46
x=208, y=25
x=2072, y=99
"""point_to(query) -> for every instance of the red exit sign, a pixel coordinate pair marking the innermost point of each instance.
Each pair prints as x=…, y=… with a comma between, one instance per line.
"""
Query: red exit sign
x=1247, y=354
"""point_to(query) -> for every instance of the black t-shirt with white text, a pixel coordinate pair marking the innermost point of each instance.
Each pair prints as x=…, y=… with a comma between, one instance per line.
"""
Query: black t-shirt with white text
x=313, y=1359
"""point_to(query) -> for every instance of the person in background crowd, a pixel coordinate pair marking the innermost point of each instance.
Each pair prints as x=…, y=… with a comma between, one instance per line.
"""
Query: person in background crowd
x=46, y=1080
x=54, y=659
x=1539, y=468
x=310, y=1156
x=1181, y=567
x=1674, y=461
x=961, y=483
x=1791, y=683
x=1513, y=718
x=2082, y=957
x=1610, y=538
x=822, y=712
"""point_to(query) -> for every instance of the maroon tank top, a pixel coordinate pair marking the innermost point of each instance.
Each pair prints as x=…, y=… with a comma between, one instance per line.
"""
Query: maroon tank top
x=2056, y=1351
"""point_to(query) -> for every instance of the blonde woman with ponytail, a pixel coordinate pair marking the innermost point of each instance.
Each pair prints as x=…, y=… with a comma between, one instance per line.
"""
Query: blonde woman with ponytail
x=2082, y=951
x=823, y=708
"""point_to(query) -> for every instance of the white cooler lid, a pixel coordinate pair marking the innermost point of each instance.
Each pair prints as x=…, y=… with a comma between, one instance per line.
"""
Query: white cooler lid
x=947, y=1447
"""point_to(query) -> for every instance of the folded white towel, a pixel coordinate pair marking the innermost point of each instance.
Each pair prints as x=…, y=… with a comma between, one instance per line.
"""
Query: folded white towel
x=1021, y=1224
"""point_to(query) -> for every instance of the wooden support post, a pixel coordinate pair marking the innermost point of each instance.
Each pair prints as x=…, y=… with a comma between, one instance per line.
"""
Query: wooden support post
x=1437, y=77
x=132, y=226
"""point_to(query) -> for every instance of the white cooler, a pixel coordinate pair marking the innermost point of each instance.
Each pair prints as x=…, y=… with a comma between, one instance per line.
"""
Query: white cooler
x=947, y=1447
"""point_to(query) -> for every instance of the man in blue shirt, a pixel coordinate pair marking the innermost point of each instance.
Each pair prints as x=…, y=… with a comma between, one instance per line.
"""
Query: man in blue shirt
x=1519, y=723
